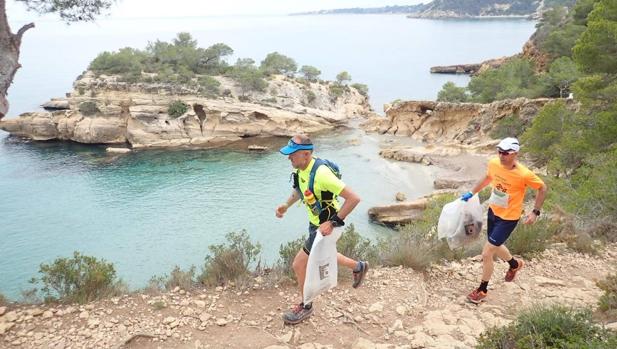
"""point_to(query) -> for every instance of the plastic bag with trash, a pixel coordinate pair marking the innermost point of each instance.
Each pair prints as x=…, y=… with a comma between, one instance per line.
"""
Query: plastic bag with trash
x=460, y=222
x=322, y=269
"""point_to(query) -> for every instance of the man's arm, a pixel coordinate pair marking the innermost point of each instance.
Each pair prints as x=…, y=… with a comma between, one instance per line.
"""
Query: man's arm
x=293, y=198
x=481, y=184
x=540, y=196
x=351, y=201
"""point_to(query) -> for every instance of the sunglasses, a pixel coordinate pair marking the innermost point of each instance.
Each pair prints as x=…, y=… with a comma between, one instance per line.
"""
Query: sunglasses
x=504, y=152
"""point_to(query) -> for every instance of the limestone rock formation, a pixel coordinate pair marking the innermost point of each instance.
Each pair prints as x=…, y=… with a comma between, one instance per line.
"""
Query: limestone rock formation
x=105, y=110
x=451, y=123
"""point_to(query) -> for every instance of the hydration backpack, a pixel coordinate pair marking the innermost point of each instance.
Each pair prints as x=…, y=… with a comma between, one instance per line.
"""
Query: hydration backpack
x=325, y=195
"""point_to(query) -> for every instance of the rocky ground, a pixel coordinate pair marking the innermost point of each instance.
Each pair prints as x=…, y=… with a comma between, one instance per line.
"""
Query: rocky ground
x=395, y=308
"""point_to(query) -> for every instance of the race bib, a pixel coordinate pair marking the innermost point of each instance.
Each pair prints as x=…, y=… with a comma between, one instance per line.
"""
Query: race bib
x=499, y=198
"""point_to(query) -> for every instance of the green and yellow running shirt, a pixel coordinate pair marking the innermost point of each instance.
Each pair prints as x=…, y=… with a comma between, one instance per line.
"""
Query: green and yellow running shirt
x=325, y=180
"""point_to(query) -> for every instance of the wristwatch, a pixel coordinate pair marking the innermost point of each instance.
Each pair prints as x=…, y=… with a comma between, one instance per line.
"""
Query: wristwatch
x=337, y=221
x=536, y=212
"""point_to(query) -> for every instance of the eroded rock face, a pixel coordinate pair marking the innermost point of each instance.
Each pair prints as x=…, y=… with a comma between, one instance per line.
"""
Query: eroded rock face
x=451, y=123
x=119, y=112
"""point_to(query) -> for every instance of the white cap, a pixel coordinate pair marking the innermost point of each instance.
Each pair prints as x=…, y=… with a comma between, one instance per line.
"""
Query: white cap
x=509, y=143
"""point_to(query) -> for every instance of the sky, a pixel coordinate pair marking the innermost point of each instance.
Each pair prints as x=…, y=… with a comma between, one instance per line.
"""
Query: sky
x=182, y=8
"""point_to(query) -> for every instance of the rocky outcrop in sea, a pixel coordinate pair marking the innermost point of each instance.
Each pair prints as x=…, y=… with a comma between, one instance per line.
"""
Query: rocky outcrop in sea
x=104, y=110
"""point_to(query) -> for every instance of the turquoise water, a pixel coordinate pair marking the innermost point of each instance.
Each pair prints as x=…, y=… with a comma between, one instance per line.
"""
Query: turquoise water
x=151, y=210
x=390, y=53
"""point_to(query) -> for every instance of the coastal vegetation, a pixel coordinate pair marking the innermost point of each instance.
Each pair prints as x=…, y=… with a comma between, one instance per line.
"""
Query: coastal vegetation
x=177, y=108
x=79, y=279
x=577, y=146
x=550, y=327
x=608, y=301
x=182, y=62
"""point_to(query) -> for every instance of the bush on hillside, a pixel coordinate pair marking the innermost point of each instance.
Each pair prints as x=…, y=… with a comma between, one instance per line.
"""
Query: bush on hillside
x=549, y=327
x=124, y=61
x=248, y=77
x=209, y=86
x=287, y=253
x=353, y=245
x=528, y=240
x=516, y=78
x=88, y=108
x=310, y=97
x=276, y=63
x=177, y=109
x=79, y=279
x=230, y=262
x=362, y=89
x=452, y=93
x=343, y=78
x=608, y=301
x=336, y=91
x=416, y=245
x=509, y=126
x=185, y=279
x=551, y=139
x=310, y=73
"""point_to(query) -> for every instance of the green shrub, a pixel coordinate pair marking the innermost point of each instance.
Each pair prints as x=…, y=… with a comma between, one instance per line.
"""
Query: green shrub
x=310, y=96
x=177, y=278
x=353, y=245
x=209, y=86
x=362, y=89
x=343, y=78
x=336, y=91
x=310, y=73
x=121, y=62
x=608, y=301
x=287, y=253
x=248, y=77
x=276, y=63
x=88, y=108
x=81, y=91
x=514, y=79
x=512, y=126
x=416, y=245
x=3, y=300
x=131, y=77
x=452, y=93
x=177, y=108
x=549, y=327
x=79, y=279
x=230, y=262
x=529, y=239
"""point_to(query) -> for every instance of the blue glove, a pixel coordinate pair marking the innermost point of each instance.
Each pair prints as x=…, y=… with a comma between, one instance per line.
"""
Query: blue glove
x=466, y=196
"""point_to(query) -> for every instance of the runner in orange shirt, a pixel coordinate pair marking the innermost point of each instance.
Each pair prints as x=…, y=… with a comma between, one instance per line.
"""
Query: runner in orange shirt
x=509, y=179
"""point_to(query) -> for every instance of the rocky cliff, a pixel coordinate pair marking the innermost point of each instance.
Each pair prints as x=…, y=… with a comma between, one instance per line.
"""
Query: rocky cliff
x=479, y=8
x=451, y=123
x=105, y=110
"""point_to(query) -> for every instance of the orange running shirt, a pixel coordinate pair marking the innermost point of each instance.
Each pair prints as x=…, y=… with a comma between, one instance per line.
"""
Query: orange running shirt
x=512, y=183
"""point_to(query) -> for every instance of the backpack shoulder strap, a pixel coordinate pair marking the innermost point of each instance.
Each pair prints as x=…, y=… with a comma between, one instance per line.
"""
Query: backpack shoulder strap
x=311, y=186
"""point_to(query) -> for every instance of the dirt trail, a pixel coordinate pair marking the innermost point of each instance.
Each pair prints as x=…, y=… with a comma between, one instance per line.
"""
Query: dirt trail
x=395, y=308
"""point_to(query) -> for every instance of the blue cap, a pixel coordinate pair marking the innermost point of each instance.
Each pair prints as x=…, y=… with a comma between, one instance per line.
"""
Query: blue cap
x=293, y=147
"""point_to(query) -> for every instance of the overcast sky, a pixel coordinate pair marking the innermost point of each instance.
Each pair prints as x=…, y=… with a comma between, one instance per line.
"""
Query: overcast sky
x=180, y=8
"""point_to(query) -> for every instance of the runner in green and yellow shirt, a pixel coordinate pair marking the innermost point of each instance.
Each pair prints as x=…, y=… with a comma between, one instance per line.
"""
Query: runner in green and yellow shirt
x=323, y=217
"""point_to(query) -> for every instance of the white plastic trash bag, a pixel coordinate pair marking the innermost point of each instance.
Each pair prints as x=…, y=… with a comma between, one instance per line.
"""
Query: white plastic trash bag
x=322, y=269
x=460, y=222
